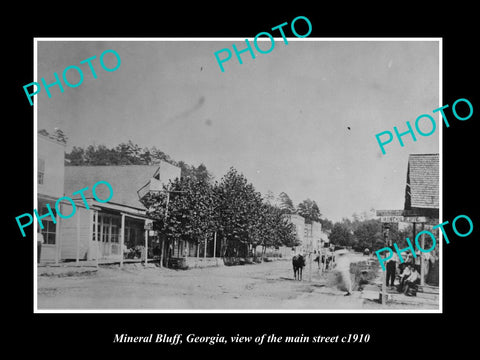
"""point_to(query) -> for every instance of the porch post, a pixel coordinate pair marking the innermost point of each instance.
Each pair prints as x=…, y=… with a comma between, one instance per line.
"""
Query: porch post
x=122, y=239
x=414, y=231
x=146, y=247
x=57, y=237
x=108, y=244
x=77, y=259
x=422, y=261
x=96, y=238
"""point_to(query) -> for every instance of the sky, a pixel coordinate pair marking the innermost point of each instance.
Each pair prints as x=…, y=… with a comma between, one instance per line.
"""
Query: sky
x=301, y=119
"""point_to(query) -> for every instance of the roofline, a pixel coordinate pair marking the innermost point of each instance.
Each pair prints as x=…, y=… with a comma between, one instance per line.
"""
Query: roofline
x=434, y=154
x=48, y=138
x=109, y=166
x=98, y=203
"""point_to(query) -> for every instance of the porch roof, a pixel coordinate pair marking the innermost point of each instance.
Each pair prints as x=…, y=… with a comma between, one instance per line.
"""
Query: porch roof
x=125, y=181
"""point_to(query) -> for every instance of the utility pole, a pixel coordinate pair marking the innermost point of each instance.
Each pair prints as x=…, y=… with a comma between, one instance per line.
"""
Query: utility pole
x=386, y=234
x=165, y=222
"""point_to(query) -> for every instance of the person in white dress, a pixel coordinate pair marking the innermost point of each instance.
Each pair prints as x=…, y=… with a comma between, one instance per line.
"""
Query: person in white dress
x=343, y=267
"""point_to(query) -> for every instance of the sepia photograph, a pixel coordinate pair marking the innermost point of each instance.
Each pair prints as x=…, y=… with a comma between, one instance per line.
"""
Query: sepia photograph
x=213, y=175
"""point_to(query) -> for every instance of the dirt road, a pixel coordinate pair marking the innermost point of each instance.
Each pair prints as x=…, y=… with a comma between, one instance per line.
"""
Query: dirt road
x=265, y=286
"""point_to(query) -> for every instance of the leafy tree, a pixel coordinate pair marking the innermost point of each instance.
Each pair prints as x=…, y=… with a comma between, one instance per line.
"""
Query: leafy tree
x=43, y=132
x=275, y=230
x=368, y=234
x=191, y=210
x=238, y=206
x=341, y=234
x=129, y=154
x=231, y=207
x=309, y=210
x=327, y=225
x=157, y=155
x=286, y=204
x=99, y=155
x=59, y=136
x=76, y=156
x=200, y=172
x=269, y=198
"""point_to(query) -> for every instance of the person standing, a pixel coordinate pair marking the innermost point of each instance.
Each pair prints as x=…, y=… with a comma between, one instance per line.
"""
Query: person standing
x=391, y=269
x=343, y=266
x=39, y=244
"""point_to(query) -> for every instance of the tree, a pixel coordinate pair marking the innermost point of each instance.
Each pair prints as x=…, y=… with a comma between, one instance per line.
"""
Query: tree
x=327, y=225
x=341, y=234
x=239, y=211
x=100, y=155
x=157, y=155
x=269, y=198
x=231, y=207
x=43, y=132
x=76, y=157
x=191, y=210
x=199, y=173
x=286, y=204
x=309, y=210
x=368, y=234
x=59, y=136
x=128, y=154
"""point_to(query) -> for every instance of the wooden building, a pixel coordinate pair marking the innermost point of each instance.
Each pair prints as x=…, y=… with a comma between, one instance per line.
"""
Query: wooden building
x=50, y=187
x=111, y=230
x=421, y=209
x=422, y=187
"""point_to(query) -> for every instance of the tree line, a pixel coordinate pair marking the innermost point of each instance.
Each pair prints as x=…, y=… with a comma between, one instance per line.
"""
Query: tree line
x=364, y=231
x=241, y=217
x=193, y=209
x=128, y=154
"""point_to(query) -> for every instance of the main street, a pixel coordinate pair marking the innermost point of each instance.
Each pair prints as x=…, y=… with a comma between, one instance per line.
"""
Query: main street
x=265, y=286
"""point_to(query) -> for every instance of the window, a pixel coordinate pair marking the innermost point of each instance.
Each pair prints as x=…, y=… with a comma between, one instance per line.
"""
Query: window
x=41, y=170
x=105, y=228
x=49, y=228
x=49, y=232
x=115, y=232
x=108, y=228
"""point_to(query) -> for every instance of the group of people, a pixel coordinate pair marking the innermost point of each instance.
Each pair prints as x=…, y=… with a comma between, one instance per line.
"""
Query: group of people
x=325, y=259
x=409, y=273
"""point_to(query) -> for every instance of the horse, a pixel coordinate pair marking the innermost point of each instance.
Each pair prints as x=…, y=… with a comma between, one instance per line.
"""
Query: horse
x=298, y=262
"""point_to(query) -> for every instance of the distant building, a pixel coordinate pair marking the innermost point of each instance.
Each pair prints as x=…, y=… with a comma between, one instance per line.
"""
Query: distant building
x=324, y=238
x=299, y=226
x=313, y=236
x=310, y=236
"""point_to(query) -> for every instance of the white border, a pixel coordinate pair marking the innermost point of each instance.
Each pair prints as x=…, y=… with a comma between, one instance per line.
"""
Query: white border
x=242, y=311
